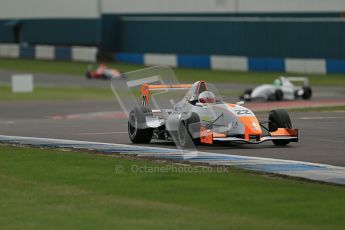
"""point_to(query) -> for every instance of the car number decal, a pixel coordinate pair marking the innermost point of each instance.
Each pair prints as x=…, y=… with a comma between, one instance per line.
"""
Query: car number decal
x=243, y=112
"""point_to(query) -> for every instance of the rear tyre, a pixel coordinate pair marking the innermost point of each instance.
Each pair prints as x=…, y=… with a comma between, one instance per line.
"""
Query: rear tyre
x=138, y=132
x=278, y=95
x=279, y=119
x=307, y=93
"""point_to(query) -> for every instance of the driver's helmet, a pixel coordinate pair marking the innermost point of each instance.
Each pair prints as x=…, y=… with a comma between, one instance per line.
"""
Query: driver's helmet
x=277, y=83
x=101, y=68
x=207, y=97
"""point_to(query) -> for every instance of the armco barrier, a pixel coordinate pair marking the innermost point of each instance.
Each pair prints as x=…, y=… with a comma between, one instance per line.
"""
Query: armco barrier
x=9, y=50
x=45, y=52
x=160, y=59
x=88, y=54
x=27, y=52
x=236, y=63
x=132, y=58
x=77, y=53
x=266, y=64
x=202, y=61
x=305, y=65
x=62, y=53
x=335, y=66
x=217, y=62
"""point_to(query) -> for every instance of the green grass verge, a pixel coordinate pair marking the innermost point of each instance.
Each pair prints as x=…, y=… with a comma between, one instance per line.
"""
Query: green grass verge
x=77, y=93
x=42, y=66
x=43, y=189
x=56, y=93
x=183, y=74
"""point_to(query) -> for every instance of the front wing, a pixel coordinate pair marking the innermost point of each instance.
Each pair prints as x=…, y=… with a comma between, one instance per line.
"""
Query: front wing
x=280, y=134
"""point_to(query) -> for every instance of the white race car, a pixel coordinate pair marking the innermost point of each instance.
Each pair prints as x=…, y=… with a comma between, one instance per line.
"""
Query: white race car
x=202, y=117
x=281, y=89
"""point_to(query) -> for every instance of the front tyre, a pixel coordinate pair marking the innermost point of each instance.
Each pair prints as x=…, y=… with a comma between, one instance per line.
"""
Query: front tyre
x=88, y=75
x=246, y=95
x=189, y=132
x=138, y=132
x=307, y=93
x=105, y=76
x=279, y=118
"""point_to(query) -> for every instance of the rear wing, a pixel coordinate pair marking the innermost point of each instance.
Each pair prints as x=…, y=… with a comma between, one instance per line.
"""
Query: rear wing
x=146, y=89
x=305, y=80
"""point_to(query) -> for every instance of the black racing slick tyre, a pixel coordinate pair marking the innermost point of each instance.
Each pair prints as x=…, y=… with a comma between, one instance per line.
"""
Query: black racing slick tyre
x=279, y=119
x=138, y=132
x=105, y=77
x=189, y=132
x=88, y=75
x=194, y=125
x=246, y=95
x=307, y=93
x=279, y=95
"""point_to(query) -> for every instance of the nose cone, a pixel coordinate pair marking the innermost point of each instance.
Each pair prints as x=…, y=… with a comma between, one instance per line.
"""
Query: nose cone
x=252, y=126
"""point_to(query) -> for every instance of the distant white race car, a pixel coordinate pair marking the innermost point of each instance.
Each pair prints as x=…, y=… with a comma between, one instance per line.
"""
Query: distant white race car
x=281, y=89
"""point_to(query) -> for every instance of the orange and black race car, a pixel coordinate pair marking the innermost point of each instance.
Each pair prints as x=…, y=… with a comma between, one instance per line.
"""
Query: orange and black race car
x=201, y=117
x=103, y=72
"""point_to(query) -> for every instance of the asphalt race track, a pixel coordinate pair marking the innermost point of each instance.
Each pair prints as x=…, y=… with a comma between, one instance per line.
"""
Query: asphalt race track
x=322, y=135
